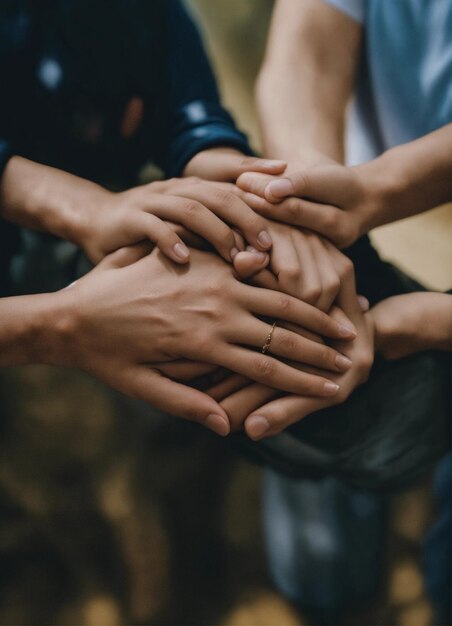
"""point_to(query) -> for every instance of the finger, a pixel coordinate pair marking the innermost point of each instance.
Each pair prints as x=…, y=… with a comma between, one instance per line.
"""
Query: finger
x=124, y=256
x=277, y=415
x=196, y=217
x=172, y=397
x=286, y=265
x=184, y=369
x=250, y=262
x=289, y=345
x=328, y=276
x=272, y=373
x=239, y=404
x=144, y=225
x=364, y=303
x=267, y=166
x=275, y=305
x=228, y=165
x=232, y=210
x=320, y=218
x=228, y=386
x=310, y=282
x=327, y=184
x=255, y=183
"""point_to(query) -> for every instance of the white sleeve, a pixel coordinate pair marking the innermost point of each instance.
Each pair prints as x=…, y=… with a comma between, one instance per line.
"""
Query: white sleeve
x=355, y=9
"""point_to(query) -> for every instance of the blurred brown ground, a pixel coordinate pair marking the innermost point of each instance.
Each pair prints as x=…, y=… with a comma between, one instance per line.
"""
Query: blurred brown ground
x=107, y=520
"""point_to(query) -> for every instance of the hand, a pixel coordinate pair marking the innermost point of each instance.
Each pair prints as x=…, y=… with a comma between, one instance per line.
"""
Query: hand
x=412, y=323
x=226, y=165
x=263, y=413
x=126, y=316
x=302, y=264
x=99, y=221
x=338, y=202
x=121, y=219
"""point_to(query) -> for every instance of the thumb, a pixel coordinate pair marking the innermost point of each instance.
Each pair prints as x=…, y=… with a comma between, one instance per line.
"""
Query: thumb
x=249, y=262
x=172, y=397
x=324, y=183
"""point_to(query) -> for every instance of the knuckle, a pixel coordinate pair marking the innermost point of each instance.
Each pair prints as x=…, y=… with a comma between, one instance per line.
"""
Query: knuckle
x=326, y=356
x=248, y=162
x=192, y=180
x=332, y=286
x=284, y=303
x=288, y=343
x=191, y=208
x=292, y=207
x=332, y=221
x=347, y=269
x=313, y=294
x=290, y=274
x=265, y=367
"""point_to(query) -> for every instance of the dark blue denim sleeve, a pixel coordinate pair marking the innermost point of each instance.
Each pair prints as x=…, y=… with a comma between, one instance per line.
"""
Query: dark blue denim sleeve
x=197, y=119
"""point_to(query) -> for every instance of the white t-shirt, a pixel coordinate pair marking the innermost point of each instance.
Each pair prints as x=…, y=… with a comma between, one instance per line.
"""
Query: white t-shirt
x=404, y=87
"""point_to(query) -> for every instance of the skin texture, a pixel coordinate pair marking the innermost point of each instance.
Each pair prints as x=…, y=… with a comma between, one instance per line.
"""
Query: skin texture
x=262, y=412
x=101, y=222
x=159, y=312
x=303, y=118
x=302, y=121
x=342, y=203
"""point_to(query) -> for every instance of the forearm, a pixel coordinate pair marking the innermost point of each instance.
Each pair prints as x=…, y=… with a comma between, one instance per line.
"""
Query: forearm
x=44, y=198
x=412, y=323
x=302, y=116
x=411, y=178
x=32, y=328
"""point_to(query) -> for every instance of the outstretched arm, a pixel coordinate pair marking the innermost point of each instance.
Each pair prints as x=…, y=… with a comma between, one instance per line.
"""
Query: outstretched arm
x=306, y=81
x=343, y=203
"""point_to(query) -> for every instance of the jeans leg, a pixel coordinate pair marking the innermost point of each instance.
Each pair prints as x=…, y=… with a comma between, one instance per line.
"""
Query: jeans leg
x=324, y=542
x=437, y=547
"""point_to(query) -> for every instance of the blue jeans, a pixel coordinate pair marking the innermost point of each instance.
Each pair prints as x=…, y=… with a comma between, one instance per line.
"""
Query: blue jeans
x=437, y=546
x=325, y=543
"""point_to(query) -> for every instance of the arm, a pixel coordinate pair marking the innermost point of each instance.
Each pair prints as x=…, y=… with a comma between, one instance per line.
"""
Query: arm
x=344, y=203
x=412, y=323
x=99, y=221
x=302, y=115
x=111, y=326
x=199, y=136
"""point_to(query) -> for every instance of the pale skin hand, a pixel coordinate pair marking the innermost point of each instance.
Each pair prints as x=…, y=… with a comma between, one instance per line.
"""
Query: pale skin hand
x=343, y=203
x=100, y=222
x=92, y=325
x=255, y=408
x=218, y=320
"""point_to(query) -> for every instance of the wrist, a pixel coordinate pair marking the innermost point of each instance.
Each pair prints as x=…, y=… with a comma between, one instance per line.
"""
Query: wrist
x=35, y=329
x=47, y=199
x=385, y=184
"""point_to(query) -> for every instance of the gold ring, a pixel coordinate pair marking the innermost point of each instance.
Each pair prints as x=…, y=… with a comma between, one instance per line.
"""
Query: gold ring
x=266, y=346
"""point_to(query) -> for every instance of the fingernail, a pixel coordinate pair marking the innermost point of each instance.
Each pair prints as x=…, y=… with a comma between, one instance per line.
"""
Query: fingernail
x=280, y=188
x=347, y=331
x=256, y=426
x=343, y=363
x=234, y=252
x=264, y=239
x=260, y=255
x=364, y=303
x=330, y=388
x=181, y=251
x=273, y=163
x=218, y=424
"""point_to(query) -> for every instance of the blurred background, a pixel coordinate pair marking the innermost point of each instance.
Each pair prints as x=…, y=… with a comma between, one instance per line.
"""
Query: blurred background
x=106, y=519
